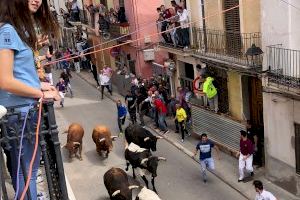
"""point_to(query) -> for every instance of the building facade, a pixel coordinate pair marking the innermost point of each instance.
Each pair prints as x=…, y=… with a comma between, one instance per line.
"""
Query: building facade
x=281, y=92
x=220, y=44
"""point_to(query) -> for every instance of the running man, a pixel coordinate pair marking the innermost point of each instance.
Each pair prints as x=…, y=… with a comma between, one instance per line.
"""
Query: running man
x=245, y=156
x=261, y=193
x=206, y=160
x=122, y=112
x=61, y=87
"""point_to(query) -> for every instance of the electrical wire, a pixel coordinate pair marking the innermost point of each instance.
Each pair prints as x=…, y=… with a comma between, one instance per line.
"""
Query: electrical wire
x=20, y=152
x=290, y=4
x=34, y=151
x=137, y=30
x=152, y=35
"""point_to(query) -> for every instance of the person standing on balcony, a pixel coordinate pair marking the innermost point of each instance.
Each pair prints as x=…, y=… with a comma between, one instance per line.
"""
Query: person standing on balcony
x=75, y=12
x=19, y=81
x=184, y=27
x=245, y=156
x=211, y=92
x=121, y=15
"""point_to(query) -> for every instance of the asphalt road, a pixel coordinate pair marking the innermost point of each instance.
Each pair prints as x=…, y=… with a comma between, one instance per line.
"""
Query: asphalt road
x=178, y=178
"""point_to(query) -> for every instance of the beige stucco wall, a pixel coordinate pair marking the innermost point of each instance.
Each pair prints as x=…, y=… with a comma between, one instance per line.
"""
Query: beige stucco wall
x=211, y=8
x=250, y=16
x=235, y=94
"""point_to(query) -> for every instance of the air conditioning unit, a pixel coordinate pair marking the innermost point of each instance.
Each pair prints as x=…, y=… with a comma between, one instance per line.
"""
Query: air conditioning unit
x=149, y=54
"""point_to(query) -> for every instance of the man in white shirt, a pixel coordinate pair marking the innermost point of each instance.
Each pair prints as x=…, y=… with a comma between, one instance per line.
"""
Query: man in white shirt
x=261, y=193
x=184, y=25
x=104, y=82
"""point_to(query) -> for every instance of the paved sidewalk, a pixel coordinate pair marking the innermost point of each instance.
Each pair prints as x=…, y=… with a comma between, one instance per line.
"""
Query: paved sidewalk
x=226, y=168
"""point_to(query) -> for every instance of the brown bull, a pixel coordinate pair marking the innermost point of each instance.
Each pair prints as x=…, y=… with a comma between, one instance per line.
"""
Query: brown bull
x=103, y=139
x=74, y=140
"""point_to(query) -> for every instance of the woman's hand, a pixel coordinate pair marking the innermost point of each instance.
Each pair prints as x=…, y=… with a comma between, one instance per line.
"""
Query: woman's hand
x=52, y=95
x=47, y=87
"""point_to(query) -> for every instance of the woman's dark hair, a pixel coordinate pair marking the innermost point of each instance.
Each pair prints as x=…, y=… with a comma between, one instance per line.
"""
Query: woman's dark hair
x=17, y=13
x=258, y=184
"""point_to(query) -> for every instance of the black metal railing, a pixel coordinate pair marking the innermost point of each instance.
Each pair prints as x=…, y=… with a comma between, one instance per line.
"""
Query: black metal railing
x=227, y=46
x=48, y=143
x=119, y=30
x=284, y=67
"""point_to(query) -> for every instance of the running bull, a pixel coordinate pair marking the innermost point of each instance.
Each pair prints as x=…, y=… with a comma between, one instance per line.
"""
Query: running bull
x=117, y=185
x=74, y=140
x=103, y=139
x=143, y=160
x=140, y=136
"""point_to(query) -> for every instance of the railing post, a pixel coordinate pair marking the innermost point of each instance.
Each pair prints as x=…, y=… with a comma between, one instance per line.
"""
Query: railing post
x=54, y=138
x=204, y=25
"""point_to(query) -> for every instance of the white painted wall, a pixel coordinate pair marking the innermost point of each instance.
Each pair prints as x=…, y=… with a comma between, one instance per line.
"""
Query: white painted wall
x=280, y=114
x=280, y=23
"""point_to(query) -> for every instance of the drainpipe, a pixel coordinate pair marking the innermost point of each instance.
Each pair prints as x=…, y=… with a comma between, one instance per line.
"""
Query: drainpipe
x=204, y=25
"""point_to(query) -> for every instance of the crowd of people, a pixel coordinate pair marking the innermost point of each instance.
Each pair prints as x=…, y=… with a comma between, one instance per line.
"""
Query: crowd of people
x=151, y=97
x=174, y=24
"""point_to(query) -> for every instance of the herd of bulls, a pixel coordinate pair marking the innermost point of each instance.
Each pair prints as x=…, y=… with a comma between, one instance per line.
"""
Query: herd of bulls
x=138, y=146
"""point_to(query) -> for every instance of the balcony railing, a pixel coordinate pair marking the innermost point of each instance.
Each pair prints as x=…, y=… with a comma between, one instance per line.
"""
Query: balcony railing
x=227, y=46
x=120, y=29
x=284, y=67
x=10, y=135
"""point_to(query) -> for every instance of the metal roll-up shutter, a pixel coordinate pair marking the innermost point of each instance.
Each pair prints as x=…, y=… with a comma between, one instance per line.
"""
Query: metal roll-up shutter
x=219, y=128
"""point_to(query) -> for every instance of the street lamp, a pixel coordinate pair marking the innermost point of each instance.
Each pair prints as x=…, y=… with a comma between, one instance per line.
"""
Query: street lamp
x=254, y=52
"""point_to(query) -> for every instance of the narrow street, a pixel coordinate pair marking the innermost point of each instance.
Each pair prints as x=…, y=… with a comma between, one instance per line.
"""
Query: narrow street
x=178, y=178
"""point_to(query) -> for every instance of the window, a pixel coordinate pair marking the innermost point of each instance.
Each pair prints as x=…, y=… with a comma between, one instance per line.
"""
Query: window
x=121, y=3
x=297, y=147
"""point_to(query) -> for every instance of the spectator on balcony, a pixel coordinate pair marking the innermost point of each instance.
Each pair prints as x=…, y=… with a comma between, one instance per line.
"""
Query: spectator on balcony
x=113, y=16
x=184, y=27
x=175, y=5
x=211, y=92
x=103, y=23
x=19, y=81
x=121, y=15
x=75, y=12
x=166, y=15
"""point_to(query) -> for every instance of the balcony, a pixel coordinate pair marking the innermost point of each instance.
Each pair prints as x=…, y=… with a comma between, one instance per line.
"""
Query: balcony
x=228, y=47
x=10, y=135
x=283, y=68
x=120, y=30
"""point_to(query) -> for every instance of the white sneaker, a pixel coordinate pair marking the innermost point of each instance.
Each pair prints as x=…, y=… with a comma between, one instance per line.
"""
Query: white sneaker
x=182, y=140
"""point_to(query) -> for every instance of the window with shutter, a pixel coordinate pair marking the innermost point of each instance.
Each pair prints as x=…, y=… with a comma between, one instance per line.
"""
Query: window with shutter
x=297, y=147
x=232, y=28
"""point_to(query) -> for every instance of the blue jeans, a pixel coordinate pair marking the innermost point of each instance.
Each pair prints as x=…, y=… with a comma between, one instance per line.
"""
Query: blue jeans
x=28, y=148
x=161, y=121
x=206, y=163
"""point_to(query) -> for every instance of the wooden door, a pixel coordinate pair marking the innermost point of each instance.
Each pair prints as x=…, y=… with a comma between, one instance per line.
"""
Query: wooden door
x=256, y=102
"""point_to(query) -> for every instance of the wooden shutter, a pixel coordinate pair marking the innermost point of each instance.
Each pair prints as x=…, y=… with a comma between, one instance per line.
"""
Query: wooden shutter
x=232, y=28
x=297, y=147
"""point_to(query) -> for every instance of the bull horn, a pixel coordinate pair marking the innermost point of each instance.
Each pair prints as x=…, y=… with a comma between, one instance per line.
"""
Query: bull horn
x=102, y=139
x=133, y=187
x=115, y=193
x=162, y=158
x=144, y=160
x=114, y=137
x=78, y=143
x=159, y=137
x=146, y=139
